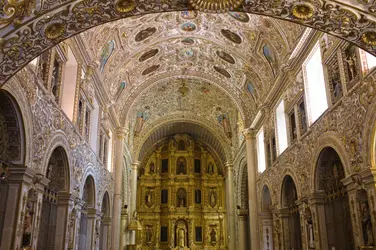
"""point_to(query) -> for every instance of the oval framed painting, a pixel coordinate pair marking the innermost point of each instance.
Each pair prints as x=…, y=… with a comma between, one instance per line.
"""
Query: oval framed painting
x=222, y=71
x=150, y=69
x=148, y=54
x=232, y=36
x=239, y=16
x=144, y=34
x=226, y=57
x=188, y=27
x=188, y=41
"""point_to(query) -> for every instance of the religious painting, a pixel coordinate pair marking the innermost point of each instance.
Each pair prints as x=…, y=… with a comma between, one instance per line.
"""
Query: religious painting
x=198, y=234
x=251, y=89
x=187, y=27
x=188, y=41
x=197, y=166
x=239, y=16
x=106, y=53
x=188, y=14
x=226, y=57
x=164, y=196
x=164, y=166
x=181, y=198
x=144, y=34
x=148, y=54
x=142, y=117
x=233, y=37
x=270, y=57
x=181, y=166
x=150, y=69
x=224, y=120
x=198, y=196
x=222, y=71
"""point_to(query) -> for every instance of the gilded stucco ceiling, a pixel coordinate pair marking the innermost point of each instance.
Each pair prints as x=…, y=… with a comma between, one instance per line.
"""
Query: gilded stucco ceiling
x=224, y=49
x=213, y=56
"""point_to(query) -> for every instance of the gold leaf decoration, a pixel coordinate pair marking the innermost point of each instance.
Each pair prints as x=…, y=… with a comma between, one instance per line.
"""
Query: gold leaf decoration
x=125, y=6
x=302, y=11
x=15, y=11
x=369, y=38
x=54, y=30
x=216, y=6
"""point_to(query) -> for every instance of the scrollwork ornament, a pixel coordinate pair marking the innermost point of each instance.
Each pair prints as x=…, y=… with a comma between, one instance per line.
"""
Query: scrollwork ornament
x=15, y=11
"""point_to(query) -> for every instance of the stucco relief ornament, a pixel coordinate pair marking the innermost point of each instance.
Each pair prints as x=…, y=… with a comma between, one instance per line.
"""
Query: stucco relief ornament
x=302, y=11
x=369, y=38
x=216, y=6
x=54, y=30
x=125, y=6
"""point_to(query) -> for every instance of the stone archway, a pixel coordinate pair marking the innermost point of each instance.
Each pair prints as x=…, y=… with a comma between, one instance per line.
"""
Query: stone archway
x=54, y=215
x=87, y=220
x=266, y=218
x=328, y=176
x=105, y=223
x=30, y=29
x=243, y=211
x=291, y=215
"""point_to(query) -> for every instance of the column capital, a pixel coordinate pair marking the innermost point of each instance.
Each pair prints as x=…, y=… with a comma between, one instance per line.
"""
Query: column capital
x=121, y=132
x=229, y=167
x=135, y=165
x=249, y=133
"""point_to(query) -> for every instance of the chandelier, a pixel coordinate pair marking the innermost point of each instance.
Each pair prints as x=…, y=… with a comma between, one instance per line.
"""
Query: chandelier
x=216, y=6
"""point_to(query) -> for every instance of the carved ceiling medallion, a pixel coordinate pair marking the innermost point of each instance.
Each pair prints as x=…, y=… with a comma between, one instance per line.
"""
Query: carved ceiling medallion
x=222, y=71
x=187, y=41
x=188, y=27
x=54, y=30
x=302, y=11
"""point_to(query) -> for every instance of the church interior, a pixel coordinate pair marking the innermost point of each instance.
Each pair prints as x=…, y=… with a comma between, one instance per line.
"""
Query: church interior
x=187, y=125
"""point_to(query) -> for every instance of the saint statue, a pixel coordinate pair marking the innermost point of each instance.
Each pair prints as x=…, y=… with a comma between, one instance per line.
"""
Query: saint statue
x=225, y=122
x=213, y=198
x=27, y=226
x=213, y=236
x=152, y=168
x=351, y=63
x=210, y=168
x=181, y=238
x=367, y=225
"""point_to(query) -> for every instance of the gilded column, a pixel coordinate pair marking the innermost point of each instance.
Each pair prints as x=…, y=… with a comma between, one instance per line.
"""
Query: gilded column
x=252, y=187
x=230, y=197
x=120, y=135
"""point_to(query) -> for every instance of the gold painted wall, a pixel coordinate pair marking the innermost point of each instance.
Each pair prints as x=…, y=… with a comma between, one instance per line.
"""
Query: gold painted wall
x=169, y=204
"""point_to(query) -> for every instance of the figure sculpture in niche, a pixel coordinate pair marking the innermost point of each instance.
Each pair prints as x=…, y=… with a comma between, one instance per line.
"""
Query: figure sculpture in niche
x=27, y=226
x=152, y=168
x=213, y=236
x=181, y=198
x=181, y=238
x=366, y=225
x=210, y=168
x=213, y=198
